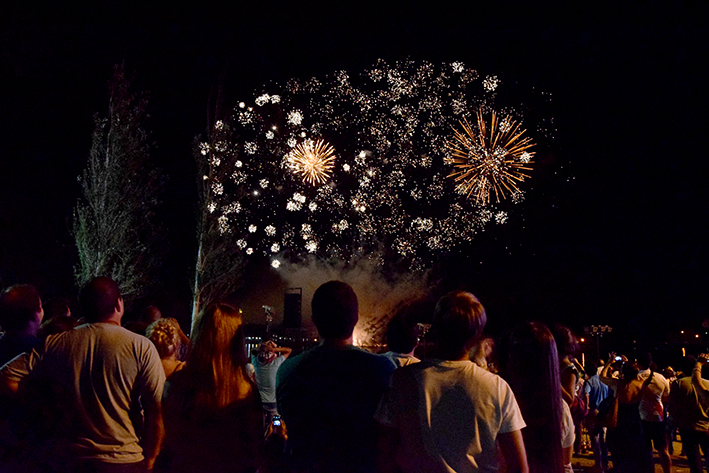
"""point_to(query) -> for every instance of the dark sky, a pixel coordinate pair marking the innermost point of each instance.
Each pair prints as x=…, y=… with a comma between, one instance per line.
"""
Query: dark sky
x=612, y=230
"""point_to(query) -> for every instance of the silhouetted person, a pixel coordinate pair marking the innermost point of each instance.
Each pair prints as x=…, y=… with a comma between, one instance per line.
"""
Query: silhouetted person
x=21, y=315
x=689, y=406
x=402, y=338
x=652, y=412
x=328, y=394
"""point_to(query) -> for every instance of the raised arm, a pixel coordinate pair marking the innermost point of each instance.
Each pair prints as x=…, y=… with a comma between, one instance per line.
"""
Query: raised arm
x=697, y=379
x=285, y=351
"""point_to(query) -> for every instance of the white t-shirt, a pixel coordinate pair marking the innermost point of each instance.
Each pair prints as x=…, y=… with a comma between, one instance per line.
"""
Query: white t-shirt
x=448, y=414
x=651, y=408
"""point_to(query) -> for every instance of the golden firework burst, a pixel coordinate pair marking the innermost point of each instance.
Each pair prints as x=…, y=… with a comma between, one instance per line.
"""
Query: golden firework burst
x=312, y=161
x=490, y=159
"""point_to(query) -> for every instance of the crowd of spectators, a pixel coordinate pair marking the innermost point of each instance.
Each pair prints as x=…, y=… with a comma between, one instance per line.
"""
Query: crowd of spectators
x=96, y=395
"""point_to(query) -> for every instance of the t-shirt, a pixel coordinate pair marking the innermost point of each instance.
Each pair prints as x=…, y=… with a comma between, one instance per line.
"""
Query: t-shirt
x=448, y=414
x=266, y=377
x=689, y=406
x=97, y=374
x=327, y=397
x=400, y=359
x=651, y=408
x=596, y=390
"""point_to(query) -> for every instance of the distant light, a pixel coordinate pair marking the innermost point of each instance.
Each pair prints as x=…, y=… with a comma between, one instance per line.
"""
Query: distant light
x=696, y=336
x=583, y=340
x=682, y=331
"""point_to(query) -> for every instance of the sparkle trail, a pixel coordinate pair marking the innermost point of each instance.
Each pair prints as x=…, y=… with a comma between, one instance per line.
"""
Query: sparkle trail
x=373, y=166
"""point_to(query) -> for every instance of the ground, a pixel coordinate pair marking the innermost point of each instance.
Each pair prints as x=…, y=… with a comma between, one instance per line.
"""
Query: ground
x=584, y=463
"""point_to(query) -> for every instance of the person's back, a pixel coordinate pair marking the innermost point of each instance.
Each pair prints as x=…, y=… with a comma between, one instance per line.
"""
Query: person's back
x=448, y=414
x=328, y=394
x=328, y=397
x=96, y=373
x=91, y=378
x=21, y=314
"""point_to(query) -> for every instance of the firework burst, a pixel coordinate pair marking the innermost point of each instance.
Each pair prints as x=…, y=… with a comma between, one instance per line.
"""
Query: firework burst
x=490, y=159
x=312, y=161
x=400, y=186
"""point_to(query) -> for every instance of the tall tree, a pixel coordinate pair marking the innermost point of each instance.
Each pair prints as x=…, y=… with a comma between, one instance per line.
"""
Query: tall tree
x=219, y=264
x=113, y=223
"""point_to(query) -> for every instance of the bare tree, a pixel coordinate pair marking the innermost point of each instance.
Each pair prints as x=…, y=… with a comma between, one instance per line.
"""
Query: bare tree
x=219, y=263
x=113, y=220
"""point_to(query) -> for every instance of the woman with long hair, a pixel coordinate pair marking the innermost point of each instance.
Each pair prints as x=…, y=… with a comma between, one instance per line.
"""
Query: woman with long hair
x=212, y=409
x=530, y=365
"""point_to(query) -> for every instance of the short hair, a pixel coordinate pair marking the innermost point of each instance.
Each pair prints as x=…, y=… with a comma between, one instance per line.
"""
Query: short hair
x=687, y=365
x=335, y=310
x=150, y=314
x=458, y=319
x=99, y=298
x=19, y=305
x=402, y=336
x=644, y=360
x=164, y=336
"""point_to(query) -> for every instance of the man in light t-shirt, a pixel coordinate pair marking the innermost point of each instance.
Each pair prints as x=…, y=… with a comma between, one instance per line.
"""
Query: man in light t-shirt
x=266, y=361
x=447, y=414
x=97, y=377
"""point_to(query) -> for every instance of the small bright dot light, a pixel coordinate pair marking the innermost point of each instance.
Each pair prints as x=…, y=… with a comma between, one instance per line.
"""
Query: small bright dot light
x=275, y=263
x=242, y=105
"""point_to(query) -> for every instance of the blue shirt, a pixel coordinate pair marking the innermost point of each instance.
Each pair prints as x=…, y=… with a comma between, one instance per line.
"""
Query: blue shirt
x=597, y=391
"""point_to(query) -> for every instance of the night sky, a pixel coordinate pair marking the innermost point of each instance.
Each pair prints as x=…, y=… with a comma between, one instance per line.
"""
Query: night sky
x=613, y=227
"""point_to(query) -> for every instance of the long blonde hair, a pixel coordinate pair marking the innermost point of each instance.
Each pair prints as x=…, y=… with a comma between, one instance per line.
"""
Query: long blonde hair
x=217, y=362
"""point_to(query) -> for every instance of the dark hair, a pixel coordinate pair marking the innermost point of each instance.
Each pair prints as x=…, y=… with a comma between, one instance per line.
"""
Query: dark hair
x=19, y=305
x=57, y=324
x=335, y=310
x=644, y=360
x=566, y=342
x=687, y=365
x=99, y=298
x=531, y=367
x=458, y=319
x=402, y=336
x=150, y=314
x=56, y=307
x=629, y=371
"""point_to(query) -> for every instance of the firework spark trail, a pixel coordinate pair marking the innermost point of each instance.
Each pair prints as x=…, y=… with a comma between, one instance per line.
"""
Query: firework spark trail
x=491, y=158
x=313, y=161
x=390, y=194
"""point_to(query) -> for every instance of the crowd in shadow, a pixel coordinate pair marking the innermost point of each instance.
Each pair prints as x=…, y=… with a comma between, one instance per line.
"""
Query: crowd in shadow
x=90, y=395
